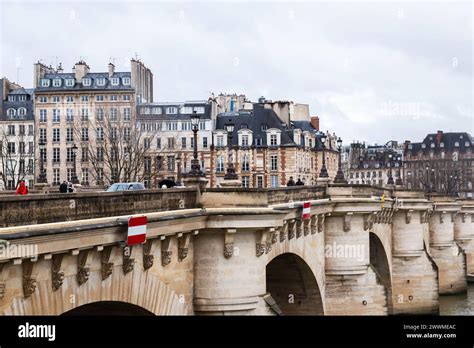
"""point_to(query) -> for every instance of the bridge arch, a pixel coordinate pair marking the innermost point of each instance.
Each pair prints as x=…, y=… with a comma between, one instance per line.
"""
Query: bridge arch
x=138, y=290
x=293, y=285
x=108, y=308
x=380, y=261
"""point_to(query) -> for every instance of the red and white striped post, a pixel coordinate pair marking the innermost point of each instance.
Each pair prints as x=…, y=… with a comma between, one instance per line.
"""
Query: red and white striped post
x=306, y=210
x=136, y=230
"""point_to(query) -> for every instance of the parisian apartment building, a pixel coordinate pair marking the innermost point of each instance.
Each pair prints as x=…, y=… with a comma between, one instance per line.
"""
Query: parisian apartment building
x=16, y=135
x=442, y=163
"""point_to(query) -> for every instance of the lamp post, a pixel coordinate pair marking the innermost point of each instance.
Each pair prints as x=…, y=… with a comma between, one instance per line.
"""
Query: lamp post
x=399, y=181
x=74, y=179
x=195, y=166
x=390, y=177
x=42, y=175
x=324, y=172
x=178, y=176
x=339, y=179
x=230, y=175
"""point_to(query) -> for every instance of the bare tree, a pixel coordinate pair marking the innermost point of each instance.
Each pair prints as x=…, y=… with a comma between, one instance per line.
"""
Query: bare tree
x=446, y=179
x=13, y=159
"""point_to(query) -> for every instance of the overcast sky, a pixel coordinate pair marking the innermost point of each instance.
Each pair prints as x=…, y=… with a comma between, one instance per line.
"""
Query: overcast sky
x=371, y=71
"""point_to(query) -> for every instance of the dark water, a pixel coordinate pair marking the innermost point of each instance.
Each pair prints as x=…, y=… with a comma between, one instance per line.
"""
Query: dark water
x=458, y=304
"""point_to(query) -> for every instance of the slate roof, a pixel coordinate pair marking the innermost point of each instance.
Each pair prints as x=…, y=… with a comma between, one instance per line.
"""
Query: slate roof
x=448, y=139
x=78, y=86
x=163, y=116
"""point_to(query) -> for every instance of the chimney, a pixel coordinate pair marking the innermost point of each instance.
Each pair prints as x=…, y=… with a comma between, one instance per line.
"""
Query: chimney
x=315, y=122
x=60, y=69
x=81, y=69
x=111, y=70
x=439, y=136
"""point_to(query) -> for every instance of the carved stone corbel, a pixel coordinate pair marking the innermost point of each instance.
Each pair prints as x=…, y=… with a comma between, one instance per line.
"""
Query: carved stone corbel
x=291, y=228
x=299, y=228
x=275, y=235
x=83, y=270
x=283, y=231
x=229, y=242
x=57, y=276
x=409, y=212
x=463, y=217
x=128, y=262
x=453, y=216
x=183, y=246
x=306, y=226
x=166, y=251
x=268, y=243
x=321, y=219
x=29, y=283
x=347, y=221
x=424, y=217
x=369, y=221
x=148, y=257
x=106, y=267
x=441, y=216
x=314, y=224
x=261, y=242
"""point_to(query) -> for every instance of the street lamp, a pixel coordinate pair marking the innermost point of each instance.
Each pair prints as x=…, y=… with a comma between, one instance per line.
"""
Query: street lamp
x=399, y=181
x=178, y=163
x=42, y=175
x=74, y=179
x=390, y=177
x=195, y=166
x=324, y=172
x=230, y=175
x=339, y=179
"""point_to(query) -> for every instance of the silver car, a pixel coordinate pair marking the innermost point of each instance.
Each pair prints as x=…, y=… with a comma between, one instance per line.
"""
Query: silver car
x=126, y=186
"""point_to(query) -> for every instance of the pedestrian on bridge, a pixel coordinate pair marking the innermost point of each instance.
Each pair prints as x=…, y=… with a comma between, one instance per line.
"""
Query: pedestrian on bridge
x=22, y=189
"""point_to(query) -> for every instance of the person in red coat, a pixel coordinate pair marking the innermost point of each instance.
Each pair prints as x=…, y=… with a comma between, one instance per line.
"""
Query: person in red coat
x=22, y=189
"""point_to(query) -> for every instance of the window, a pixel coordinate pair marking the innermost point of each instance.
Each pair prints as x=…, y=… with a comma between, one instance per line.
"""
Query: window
x=30, y=129
x=172, y=126
x=126, y=134
x=11, y=112
x=245, y=140
x=56, y=115
x=183, y=143
x=115, y=81
x=186, y=126
x=113, y=115
x=11, y=148
x=56, y=82
x=441, y=144
x=113, y=97
x=56, y=155
x=43, y=99
x=191, y=142
x=69, y=134
x=456, y=144
x=245, y=181
x=202, y=126
x=56, y=99
x=22, y=129
x=21, y=147
x=158, y=143
x=100, y=154
x=84, y=98
x=126, y=81
x=69, y=115
x=273, y=162
x=100, y=176
x=100, y=134
x=42, y=115
x=45, y=82
x=263, y=127
x=56, y=137
x=157, y=110
x=113, y=134
x=56, y=178
x=146, y=143
x=86, y=81
x=70, y=82
x=85, y=176
x=42, y=135
x=220, y=140
x=245, y=163
x=204, y=142
x=69, y=154
x=171, y=143
x=126, y=97
x=171, y=160
x=99, y=98
x=11, y=98
x=273, y=140
x=259, y=181
x=127, y=114
x=84, y=154
x=258, y=141
x=220, y=164
x=85, y=134
x=274, y=180
x=171, y=110
x=99, y=114
x=84, y=115
x=11, y=129
x=100, y=81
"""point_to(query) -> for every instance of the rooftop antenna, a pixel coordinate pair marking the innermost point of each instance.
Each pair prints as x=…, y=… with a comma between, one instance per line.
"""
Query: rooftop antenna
x=112, y=60
x=18, y=75
x=136, y=56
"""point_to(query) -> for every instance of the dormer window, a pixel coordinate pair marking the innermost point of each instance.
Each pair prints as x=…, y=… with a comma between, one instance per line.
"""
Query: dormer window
x=115, y=81
x=11, y=113
x=263, y=127
x=171, y=110
x=45, y=82
x=57, y=82
x=70, y=82
x=461, y=137
x=101, y=81
x=21, y=111
x=467, y=144
x=126, y=81
x=273, y=140
x=441, y=144
x=86, y=81
x=410, y=146
x=456, y=144
x=22, y=98
x=432, y=145
x=423, y=146
x=244, y=126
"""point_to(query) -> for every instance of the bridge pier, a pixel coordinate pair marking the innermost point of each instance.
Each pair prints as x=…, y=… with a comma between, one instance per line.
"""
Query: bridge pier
x=353, y=286
x=449, y=257
x=414, y=273
x=464, y=233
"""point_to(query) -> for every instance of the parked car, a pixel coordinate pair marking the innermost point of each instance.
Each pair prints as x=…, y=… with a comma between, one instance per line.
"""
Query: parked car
x=126, y=186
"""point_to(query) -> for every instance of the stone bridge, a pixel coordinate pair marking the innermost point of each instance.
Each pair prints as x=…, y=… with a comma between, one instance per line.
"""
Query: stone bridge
x=363, y=250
